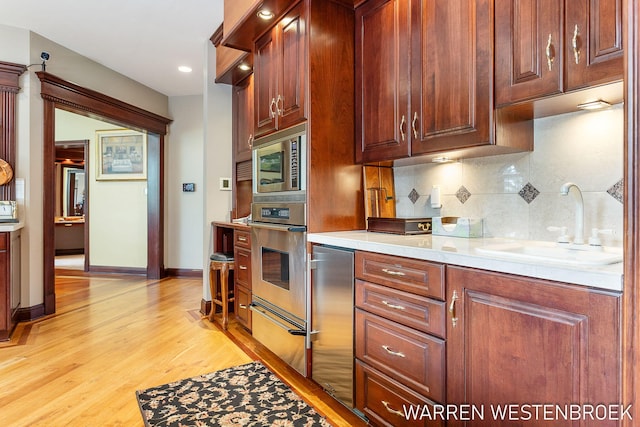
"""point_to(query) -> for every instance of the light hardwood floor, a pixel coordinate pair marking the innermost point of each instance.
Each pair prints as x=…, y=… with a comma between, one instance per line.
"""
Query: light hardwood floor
x=113, y=335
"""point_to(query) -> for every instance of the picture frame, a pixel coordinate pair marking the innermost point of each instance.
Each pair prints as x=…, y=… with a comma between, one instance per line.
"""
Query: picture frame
x=122, y=155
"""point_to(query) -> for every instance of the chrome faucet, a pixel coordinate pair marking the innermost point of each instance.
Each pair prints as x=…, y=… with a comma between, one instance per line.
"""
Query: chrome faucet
x=579, y=232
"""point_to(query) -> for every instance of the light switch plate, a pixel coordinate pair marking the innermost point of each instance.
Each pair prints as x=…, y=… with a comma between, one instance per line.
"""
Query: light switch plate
x=188, y=187
x=225, y=184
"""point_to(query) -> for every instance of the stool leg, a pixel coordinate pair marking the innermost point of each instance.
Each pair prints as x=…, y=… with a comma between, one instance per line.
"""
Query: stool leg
x=212, y=289
x=224, y=279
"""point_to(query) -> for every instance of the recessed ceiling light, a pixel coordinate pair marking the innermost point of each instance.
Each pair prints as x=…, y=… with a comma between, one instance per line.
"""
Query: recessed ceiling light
x=594, y=105
x=265, y=14
x=184, y=69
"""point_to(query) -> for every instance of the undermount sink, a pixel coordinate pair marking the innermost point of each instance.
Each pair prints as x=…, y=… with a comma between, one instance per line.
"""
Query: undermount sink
x=554, y=253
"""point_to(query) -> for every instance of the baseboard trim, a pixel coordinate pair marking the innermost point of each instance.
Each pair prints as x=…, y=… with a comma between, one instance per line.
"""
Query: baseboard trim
x=118, y=270
x=27, y=314
x=183, y=272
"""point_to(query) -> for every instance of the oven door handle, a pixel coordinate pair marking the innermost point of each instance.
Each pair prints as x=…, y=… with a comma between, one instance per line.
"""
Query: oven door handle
x=261, y=311
x=278, y=227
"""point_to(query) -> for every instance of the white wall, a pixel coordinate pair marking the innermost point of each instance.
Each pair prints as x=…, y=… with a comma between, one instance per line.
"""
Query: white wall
x=217, y=159
x=582, y=147
x=117, y=209
x=183, y=164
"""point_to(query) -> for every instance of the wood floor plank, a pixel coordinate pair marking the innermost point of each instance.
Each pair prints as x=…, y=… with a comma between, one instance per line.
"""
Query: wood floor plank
x=113, y=335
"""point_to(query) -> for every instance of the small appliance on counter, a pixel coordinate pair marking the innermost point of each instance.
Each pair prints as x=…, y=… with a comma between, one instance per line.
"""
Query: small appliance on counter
x=8, y=211
x=453, y=226
x=399, y=225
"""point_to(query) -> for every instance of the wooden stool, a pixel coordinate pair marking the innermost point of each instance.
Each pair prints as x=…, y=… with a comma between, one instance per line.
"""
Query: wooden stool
x=221, y=292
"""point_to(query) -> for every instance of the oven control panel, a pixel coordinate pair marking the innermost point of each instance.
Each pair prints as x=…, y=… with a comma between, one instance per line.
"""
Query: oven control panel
x=289, y=213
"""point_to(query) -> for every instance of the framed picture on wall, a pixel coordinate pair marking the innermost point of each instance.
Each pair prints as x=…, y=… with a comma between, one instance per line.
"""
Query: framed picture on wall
x=122, y=155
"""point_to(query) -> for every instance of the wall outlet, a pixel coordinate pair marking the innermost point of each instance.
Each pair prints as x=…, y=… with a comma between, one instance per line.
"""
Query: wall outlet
x=225, y=184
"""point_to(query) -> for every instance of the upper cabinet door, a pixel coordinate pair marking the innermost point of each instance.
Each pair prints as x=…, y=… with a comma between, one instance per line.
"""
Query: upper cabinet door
x=291, y=80
x=242, y=102
x=265, y=84
x=528, y=49
x=279, y=68
x=382, y=80
x=452, y=52
x=593, y=42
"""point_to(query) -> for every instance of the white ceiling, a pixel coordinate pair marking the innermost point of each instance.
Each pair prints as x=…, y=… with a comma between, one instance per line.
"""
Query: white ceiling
x=145, y=40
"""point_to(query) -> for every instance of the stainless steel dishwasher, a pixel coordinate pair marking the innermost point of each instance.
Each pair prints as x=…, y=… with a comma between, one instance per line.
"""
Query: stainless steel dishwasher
x=332, y=334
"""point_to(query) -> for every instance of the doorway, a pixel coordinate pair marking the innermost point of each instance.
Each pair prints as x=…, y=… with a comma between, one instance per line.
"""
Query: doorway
x=71, y=205
x=59, y=93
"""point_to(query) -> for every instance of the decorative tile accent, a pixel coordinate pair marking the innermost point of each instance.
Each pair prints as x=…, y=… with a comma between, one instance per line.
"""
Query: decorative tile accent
x=528, y=192
x=463, y=194
x=616, y=191
x=413, y=196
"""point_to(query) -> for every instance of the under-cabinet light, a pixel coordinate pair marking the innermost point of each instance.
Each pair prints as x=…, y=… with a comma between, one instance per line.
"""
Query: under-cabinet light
x=442, y=159
x=265, y=14
x=244, y=67
x=594, y=105
x=184, y=69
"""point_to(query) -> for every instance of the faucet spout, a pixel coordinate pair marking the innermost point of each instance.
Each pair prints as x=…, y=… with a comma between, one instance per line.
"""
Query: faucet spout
x=577, y=195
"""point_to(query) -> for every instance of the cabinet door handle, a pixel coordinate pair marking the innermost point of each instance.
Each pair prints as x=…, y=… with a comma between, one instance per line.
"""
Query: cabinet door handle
x=550, y=53
x=403, y=122
x=414, y=122
x=452, y=309
x=242, y=306
x=392, y=272
x=574, y=44
x=279, y=102
x=242, y=267
x=389, y=409
x=250, y=141
x=273, y=107
x=393, y=353
x=397, y=307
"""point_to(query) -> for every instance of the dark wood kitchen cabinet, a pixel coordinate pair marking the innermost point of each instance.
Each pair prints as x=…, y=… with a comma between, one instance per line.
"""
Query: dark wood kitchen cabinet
x=400, y=333
x=522, y=341
x=242, y=274
x=242, y=104
x=9, y=281
x=547, y=47
x=424, y=76
x=279, y=69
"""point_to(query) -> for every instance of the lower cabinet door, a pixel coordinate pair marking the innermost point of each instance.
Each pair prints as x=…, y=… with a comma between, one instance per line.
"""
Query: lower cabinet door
x=386, y=402
x=242, y=301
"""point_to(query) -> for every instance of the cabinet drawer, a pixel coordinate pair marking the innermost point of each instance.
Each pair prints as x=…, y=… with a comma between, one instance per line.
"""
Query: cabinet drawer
x=242, y=267
x=425, y=314
x=413, y=358
x=383, y=400
x=411, y=275
x=242, y=238
x=242, y=301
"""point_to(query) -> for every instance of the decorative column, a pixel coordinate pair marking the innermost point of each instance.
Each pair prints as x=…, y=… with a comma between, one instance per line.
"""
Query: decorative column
x=9, y=75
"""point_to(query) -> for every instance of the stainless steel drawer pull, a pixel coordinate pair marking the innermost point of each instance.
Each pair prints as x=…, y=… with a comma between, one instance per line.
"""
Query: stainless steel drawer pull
x=393, y=353
x=388, y=407
x=397, y=307
x=244, y=307
x=242, y=267
x=392, y=272
x=242, y=239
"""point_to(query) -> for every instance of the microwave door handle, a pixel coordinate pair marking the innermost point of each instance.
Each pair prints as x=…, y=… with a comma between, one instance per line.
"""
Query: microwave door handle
x=256, y=309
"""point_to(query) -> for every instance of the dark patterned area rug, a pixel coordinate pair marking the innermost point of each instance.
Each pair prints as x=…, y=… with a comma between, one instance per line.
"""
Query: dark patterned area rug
x=246, y=395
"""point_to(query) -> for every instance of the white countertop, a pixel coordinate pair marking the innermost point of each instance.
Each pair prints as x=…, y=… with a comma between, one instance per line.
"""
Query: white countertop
x=461, y=252
x=11, y=226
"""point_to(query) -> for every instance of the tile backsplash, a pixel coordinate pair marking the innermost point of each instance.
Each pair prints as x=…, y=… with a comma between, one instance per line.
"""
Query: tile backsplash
x=518, y=195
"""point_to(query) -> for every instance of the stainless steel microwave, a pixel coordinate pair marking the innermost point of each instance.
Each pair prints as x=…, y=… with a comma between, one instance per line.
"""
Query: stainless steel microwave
x=279, y=161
